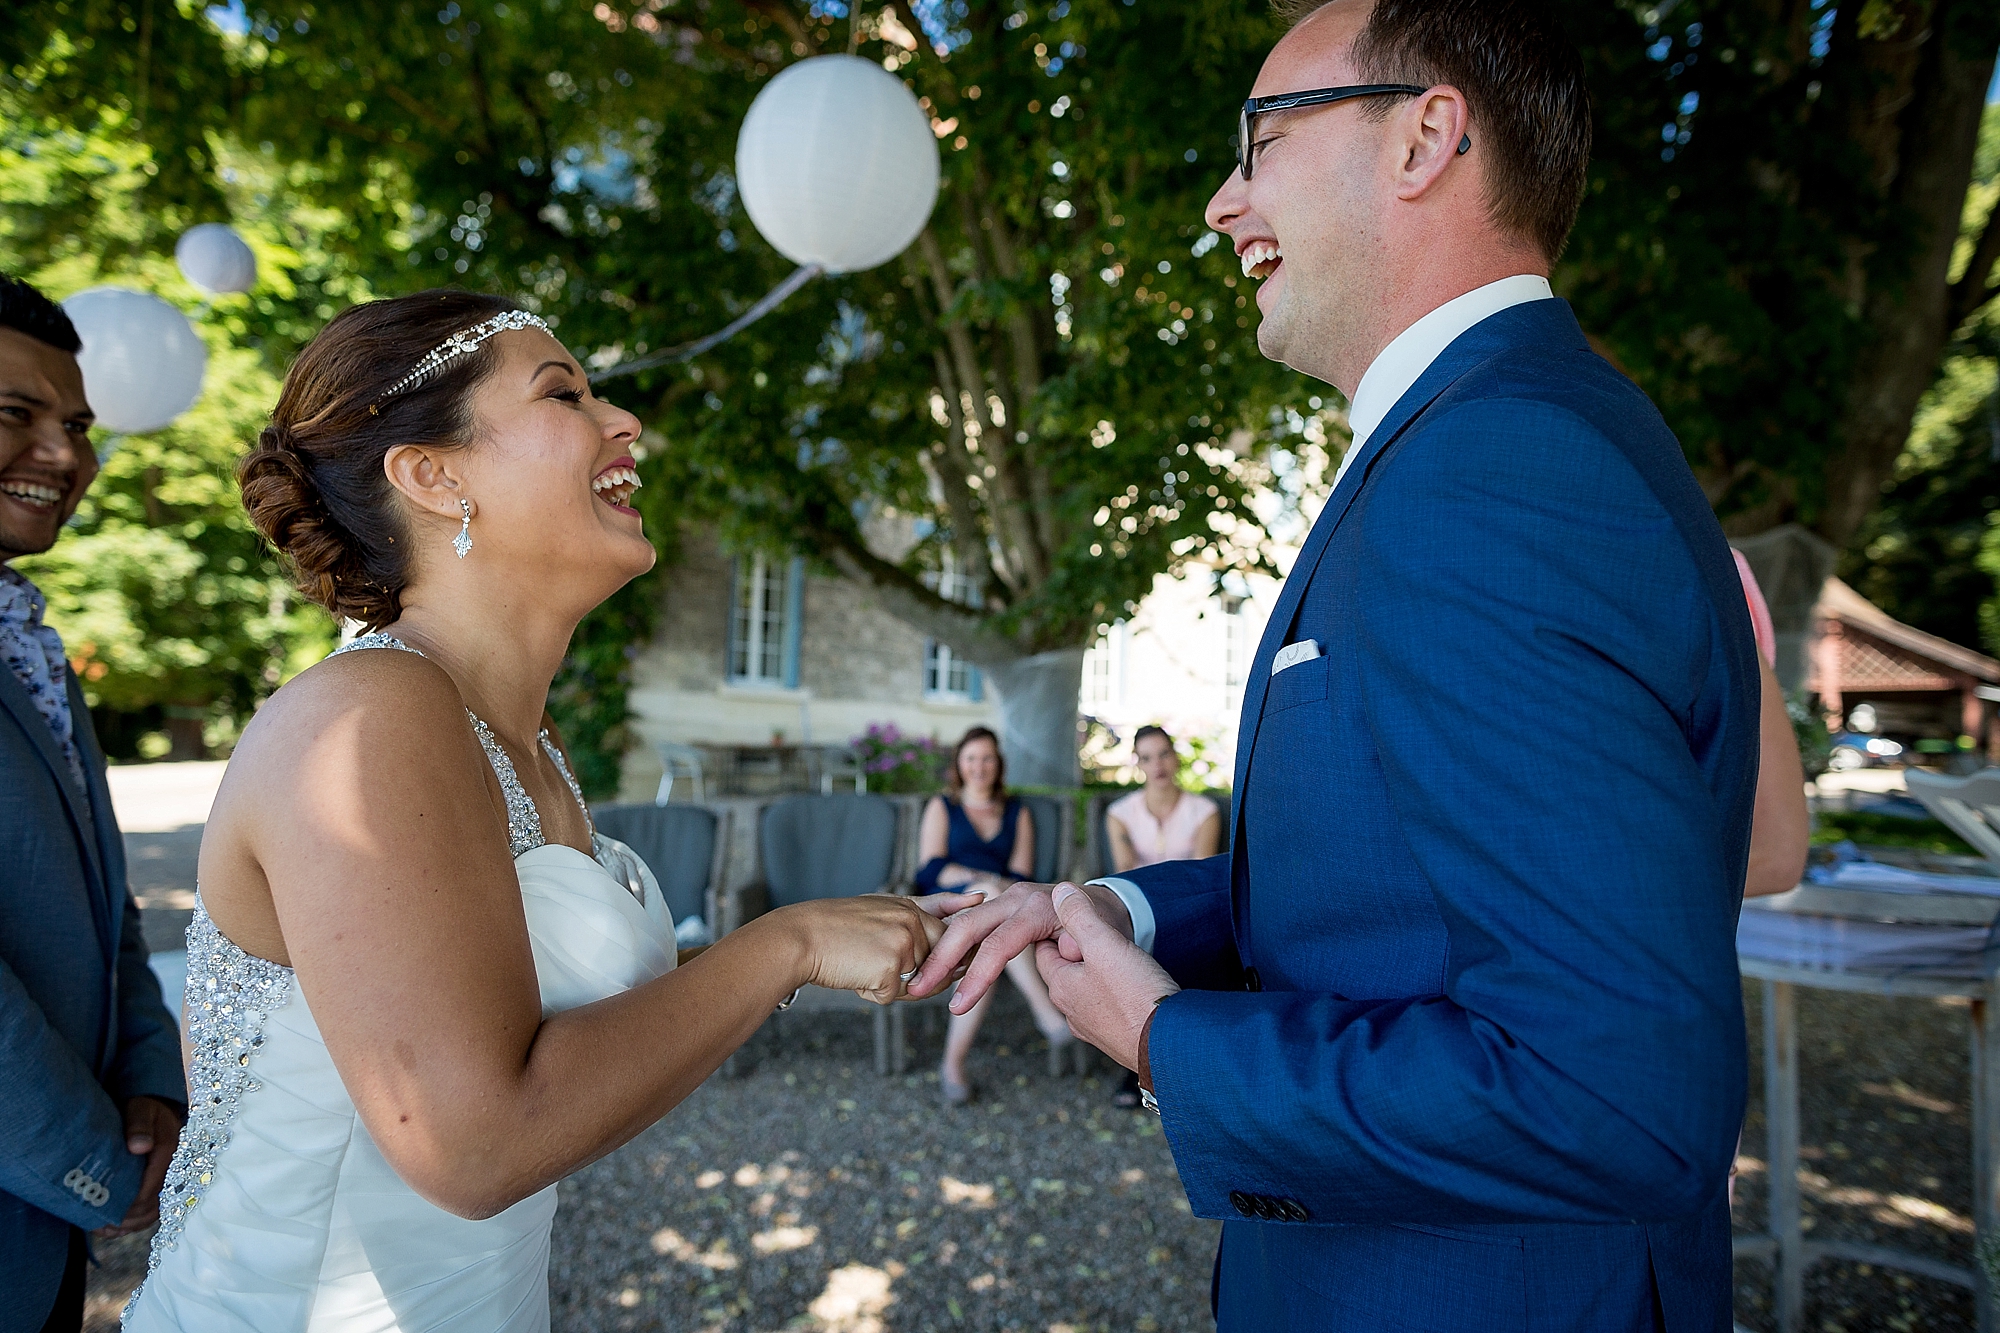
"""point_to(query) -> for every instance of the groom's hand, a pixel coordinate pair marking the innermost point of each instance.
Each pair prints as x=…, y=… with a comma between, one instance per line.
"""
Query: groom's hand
x=1003, y=927
x=1105, y=985
x=999, y=928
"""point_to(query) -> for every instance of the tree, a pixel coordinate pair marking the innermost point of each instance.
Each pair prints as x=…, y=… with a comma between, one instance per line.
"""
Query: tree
x=1772, y=245
x=1918, y=556
x=177, y=618
x=1928, y=554
x=1054, y=393
x=1056, y=389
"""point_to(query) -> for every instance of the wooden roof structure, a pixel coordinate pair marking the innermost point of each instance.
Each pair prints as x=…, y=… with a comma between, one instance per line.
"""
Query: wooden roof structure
x=1861, y=650
x=1878, y=652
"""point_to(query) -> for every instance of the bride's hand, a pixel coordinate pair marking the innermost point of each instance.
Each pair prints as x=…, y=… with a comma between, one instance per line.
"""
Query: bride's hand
x=865, y=944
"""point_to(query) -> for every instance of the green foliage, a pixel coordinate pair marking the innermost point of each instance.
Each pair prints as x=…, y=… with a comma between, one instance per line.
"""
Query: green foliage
x=580, y=157
x=1746, y=226
x=1929, y=555
x=1989, y=564
x=1809, y=730
x=164, y=593
x=167, y=599
x=1919, y=555
x=603, y=155
x=584, y=163
x=1860, y=826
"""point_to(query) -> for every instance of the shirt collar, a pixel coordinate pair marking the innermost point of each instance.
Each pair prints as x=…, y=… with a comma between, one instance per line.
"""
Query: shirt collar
x=20, y=600
x=1403, y=362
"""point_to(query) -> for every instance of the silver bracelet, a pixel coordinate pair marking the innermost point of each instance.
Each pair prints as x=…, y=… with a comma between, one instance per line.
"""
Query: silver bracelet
x=786, y=1003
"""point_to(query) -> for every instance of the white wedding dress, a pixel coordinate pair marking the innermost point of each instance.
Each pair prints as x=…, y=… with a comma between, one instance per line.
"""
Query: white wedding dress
x=279, y=1214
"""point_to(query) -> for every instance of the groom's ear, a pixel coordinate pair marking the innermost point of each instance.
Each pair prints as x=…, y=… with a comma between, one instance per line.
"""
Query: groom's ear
x=1434, y=132
x=425, y=478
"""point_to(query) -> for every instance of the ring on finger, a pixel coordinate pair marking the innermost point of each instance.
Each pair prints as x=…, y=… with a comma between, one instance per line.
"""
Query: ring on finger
x=905, y=978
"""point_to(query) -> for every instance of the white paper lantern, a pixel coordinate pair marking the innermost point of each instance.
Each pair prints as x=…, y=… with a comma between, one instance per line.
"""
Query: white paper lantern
x=214, y=258
x=837, y=164
x=142, y=361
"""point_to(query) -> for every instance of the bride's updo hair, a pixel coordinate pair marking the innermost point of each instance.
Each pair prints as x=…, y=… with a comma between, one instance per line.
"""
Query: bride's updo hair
x=314, y=485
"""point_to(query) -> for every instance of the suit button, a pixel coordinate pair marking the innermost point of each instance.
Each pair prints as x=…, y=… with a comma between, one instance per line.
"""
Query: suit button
x=1266, y=1207
x=1241, y=1203
x=1296, y=1211
x=1251, y=981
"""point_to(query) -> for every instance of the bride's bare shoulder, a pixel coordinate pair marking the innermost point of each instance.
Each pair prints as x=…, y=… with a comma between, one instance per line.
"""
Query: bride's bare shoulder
x=390, y=700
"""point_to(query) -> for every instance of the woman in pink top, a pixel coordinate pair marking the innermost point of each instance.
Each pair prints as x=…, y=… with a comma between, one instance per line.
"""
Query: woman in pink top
x=1160, y=822
x=1780, y=827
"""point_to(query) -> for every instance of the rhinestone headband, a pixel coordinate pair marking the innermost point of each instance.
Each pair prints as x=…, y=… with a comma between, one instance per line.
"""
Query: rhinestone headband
x=463, y=343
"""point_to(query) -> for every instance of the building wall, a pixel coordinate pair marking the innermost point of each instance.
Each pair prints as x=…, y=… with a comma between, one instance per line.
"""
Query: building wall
x=1171, y=663
x=857, y=665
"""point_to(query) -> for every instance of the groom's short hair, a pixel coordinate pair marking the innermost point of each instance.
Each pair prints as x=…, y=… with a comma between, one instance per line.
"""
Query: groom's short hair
x=1523, y=81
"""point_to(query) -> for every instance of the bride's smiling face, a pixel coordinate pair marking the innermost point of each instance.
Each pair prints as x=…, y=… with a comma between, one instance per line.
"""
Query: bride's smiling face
x=551, y=475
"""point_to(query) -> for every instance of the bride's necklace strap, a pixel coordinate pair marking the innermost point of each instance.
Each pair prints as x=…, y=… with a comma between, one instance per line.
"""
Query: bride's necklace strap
x=524, y=822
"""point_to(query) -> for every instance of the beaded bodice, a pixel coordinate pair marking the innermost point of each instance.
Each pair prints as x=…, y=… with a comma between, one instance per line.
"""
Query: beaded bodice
x=229, y=995
x=524, y=822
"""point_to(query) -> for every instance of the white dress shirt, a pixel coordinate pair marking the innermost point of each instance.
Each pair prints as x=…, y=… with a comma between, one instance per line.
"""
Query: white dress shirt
x=1388, y=377
x=1403, y=362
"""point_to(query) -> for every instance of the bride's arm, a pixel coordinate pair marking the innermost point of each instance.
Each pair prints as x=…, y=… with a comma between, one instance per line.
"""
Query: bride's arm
x=367, y=811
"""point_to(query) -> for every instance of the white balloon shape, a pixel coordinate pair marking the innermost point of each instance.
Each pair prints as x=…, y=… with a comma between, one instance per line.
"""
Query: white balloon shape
x=214, y=258
x=837, y=164
x=142, y=361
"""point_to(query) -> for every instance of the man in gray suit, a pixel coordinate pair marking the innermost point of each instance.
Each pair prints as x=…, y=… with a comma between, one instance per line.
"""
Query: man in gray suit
x=90, y=1065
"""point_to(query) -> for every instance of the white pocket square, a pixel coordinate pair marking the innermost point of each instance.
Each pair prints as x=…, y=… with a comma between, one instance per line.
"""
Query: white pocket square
x=1305, y=650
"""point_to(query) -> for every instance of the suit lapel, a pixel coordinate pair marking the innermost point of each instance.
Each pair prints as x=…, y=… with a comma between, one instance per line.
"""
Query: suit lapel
x=1420, y=396
x=105, y=837
x=1506, y=328
x=14, y=700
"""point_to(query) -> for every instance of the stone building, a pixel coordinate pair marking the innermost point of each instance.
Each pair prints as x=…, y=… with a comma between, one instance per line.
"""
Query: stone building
x=756, y=661
x=762, y=666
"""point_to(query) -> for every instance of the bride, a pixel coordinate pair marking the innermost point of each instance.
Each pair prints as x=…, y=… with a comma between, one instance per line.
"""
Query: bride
x=421, y=990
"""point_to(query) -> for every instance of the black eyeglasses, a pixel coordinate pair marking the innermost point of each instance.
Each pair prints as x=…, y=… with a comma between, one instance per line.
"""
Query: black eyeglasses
x=1257, y=106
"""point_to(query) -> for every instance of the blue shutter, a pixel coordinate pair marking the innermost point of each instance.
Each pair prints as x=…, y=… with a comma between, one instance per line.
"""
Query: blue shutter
x=729, y=619
x=795, y=598
x=975, y=685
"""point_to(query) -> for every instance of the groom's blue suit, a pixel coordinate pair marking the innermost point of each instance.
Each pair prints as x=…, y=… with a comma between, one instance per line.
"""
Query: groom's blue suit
x=1462, y=1045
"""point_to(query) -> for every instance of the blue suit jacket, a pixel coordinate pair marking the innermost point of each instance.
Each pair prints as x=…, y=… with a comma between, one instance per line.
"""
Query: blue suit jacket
x=82, y=1026
x=1463, y=1023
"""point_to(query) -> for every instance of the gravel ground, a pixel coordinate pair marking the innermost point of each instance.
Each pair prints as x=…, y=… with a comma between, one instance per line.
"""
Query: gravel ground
x=1887, y=1146
x=811, y=1194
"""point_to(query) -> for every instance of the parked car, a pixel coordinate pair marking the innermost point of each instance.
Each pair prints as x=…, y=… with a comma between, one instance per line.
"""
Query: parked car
x=1853, y=750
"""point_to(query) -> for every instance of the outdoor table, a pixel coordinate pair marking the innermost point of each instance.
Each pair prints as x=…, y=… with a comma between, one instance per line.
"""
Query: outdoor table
x=1784, y=1244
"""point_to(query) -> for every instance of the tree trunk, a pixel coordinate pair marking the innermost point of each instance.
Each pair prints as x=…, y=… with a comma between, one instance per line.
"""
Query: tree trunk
x=1922, y=129
x=1037, y=692
x=184, y=732
x=1038, y=716
x=1790, y=565
x=1910, y=309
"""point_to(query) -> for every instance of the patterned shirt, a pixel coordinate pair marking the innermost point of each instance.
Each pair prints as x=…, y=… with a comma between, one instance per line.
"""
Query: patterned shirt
x=34, y=653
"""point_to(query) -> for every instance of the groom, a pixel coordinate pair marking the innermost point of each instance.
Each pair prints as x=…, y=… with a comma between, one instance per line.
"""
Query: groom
x=1453, y=1038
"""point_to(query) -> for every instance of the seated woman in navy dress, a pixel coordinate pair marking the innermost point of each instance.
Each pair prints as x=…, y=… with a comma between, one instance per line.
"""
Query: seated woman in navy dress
x=977, y=839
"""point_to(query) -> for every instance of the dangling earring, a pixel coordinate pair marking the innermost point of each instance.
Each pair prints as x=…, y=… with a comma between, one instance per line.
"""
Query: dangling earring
x=462, y=543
